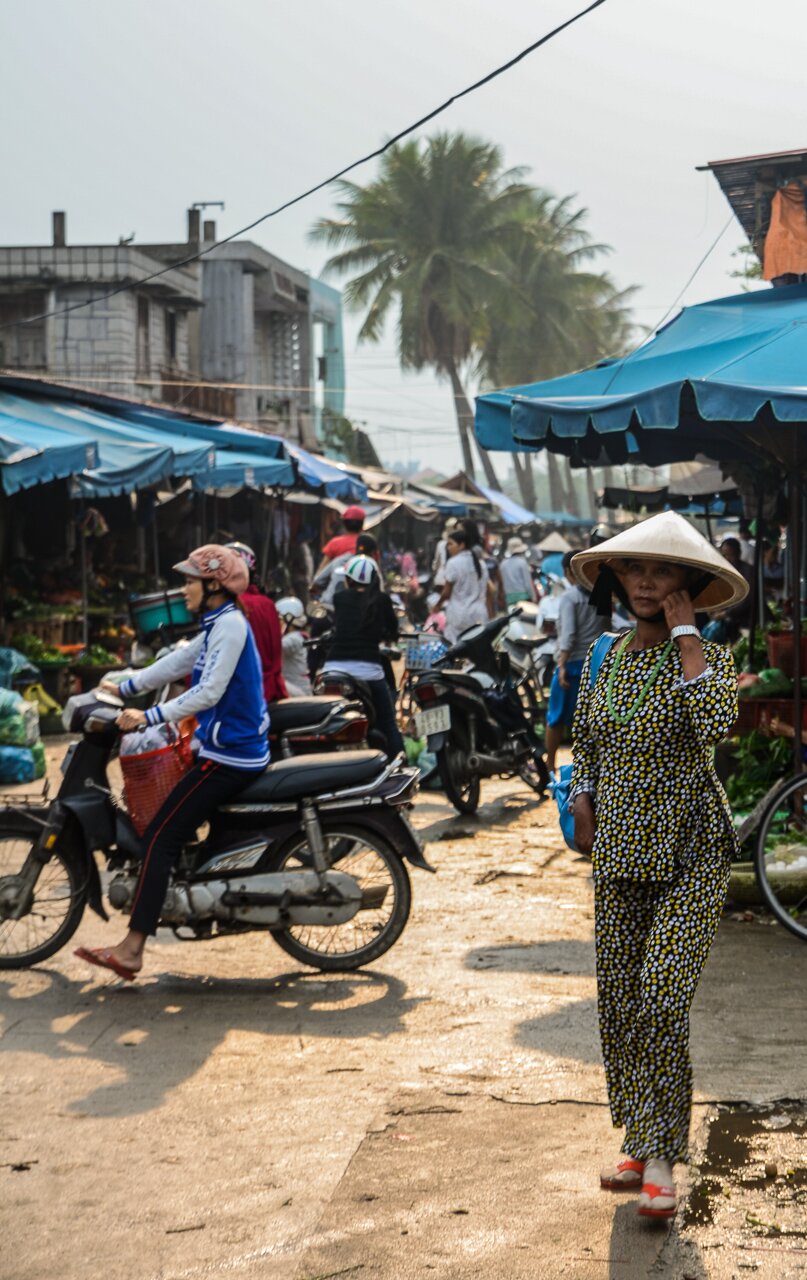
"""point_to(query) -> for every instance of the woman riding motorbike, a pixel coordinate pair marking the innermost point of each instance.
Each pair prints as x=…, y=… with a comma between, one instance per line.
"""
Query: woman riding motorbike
x=363, y=618
x=226, y=697
x=263, y=618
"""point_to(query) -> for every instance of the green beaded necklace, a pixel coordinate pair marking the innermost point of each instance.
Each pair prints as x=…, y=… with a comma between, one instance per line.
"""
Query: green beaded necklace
x=648, y=685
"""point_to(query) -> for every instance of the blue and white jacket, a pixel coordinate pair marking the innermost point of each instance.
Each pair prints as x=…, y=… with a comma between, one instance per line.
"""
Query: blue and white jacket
x=226, y=693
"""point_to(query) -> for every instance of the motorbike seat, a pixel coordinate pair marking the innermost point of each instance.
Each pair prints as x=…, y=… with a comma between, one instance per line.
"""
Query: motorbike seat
x=461, y=678
x=527, y=642
x=310, y=775
x=295, y=713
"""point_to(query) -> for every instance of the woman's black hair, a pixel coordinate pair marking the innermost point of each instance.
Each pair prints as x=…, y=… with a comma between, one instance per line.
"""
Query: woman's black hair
x=366, y=545
x=471, y=528
x=370, y=596
x=462, y=535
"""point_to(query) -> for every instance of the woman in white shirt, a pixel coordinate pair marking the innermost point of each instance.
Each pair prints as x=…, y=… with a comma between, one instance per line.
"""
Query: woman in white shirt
x=465, y=591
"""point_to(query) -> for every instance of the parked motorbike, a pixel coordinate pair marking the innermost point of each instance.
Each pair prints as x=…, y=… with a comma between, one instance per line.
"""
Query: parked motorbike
x=531, y=650
x=335, y=683
x=298, y=726
x=473, y=720
x=314, y=852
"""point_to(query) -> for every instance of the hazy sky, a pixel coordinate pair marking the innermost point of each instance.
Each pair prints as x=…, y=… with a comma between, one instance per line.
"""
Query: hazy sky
x=123, y=114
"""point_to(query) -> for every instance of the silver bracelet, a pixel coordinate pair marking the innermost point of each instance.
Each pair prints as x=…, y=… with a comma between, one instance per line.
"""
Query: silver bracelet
x=685, y=630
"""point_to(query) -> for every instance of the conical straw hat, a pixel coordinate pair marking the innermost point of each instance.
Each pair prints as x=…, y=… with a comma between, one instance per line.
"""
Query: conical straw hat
x=554, y=542
x=670, y=537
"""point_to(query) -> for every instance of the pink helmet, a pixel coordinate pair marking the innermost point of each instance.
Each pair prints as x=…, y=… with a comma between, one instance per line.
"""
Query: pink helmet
x=221, y=563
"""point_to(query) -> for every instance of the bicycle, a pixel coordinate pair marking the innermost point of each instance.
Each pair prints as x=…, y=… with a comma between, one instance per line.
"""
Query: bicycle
x=780, y=853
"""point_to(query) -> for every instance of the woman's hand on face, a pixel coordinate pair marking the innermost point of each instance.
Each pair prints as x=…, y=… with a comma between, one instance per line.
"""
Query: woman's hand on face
x=131, y=718
x=678, y=610
x=584, y=823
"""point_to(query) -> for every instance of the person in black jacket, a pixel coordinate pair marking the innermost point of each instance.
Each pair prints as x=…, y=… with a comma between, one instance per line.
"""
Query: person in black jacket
x=363, y=618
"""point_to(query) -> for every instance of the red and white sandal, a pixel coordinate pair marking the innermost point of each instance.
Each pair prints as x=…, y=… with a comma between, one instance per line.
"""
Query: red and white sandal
x=625, y=1176
x=657, y=1201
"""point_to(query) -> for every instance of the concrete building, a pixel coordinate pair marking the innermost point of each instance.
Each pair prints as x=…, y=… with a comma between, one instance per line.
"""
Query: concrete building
x=117, y=343
x=267, y=336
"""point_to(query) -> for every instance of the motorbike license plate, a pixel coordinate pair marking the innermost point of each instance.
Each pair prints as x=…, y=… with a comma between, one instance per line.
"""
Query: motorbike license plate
x=435, y=720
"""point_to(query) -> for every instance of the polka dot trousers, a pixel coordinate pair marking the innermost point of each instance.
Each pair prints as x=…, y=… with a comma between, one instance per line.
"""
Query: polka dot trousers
x=652, y=940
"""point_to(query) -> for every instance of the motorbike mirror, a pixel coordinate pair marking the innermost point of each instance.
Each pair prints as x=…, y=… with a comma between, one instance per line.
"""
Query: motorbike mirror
x=109, y=699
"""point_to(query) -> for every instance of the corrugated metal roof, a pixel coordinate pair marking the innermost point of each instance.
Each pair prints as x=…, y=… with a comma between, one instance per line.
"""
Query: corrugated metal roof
x=749, y=182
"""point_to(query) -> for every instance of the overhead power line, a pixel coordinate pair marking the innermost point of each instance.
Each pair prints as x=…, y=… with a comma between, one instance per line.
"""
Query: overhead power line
x=319, y=186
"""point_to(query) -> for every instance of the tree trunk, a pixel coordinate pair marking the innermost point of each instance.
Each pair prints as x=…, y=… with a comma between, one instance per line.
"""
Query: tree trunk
x=465, y=419
x=526, y=479
x=487, y=465
x=557, y=499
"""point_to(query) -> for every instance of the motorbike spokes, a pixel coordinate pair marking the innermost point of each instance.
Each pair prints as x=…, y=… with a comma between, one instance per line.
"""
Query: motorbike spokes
x=384, y=886
x=55, y=908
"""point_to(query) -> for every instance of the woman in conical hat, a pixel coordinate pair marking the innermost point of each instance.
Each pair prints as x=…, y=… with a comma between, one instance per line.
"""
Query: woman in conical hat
x=649, y=808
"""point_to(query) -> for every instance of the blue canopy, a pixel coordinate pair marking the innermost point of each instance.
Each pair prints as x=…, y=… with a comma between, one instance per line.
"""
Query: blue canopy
x=741, y=359
x=125, y=459
x=323, y=476
x=511, y=512
x=32, y=454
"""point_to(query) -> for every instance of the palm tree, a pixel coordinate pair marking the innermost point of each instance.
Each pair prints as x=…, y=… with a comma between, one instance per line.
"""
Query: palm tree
x=431, y=237
x=559, y=316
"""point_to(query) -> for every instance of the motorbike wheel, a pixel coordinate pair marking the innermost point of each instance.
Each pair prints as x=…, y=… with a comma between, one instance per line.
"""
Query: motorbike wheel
x=461, y=788
x=535, y=774
x=59, y=898
x=378, y=924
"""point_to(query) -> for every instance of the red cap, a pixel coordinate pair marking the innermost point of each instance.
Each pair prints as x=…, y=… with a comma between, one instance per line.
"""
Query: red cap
x=353, y=513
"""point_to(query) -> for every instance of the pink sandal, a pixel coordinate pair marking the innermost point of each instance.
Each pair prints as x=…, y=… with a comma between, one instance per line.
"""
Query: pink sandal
x=625, y=1176
x=657, y=1202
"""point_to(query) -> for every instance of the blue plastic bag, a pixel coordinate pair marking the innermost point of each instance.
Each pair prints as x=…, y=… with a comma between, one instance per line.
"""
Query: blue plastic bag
x=561, y=781
x=17, y=764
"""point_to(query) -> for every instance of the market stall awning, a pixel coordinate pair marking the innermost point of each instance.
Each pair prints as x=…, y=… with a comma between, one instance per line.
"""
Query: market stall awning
x=125, y=460
x=511, y=512
x=737, y=360
x=32, y=454
x=235, y=469
x=326, y=477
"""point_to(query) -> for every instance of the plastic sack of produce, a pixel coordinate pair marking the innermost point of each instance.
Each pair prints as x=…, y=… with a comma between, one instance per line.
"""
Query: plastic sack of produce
x=15, y=668
x=152, y=763
x=38, y=757
x=19, y=720
x=17, y=764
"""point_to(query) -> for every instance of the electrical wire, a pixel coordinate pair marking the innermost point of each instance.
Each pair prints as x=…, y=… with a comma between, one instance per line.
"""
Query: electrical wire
x=657, y=328
x=319, y=186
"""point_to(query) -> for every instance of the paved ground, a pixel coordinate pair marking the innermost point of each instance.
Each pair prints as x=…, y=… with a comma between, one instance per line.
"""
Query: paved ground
x=441, y=1114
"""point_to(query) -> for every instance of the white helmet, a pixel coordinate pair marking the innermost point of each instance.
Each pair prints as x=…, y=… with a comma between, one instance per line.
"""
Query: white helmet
x=291, y=610
x=361, y=570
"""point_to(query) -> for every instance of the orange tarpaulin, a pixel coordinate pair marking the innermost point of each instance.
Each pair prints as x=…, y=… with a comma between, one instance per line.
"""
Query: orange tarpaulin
x=786, y=241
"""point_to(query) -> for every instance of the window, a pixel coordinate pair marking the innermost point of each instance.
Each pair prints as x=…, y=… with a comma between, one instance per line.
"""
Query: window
x=171, y=337
x=143, y=361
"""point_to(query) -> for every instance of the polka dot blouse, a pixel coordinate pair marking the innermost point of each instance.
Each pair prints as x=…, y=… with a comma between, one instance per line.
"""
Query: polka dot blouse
x=658, y=802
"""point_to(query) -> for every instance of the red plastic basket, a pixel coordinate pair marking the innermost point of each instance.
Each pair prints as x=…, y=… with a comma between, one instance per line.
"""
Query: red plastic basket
x=149, y=779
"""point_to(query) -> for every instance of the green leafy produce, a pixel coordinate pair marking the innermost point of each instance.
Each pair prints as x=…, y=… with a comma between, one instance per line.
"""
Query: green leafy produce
x=760, y=761
x=741, y=651
x=37, y=651
x=98, y=656
x=773, y=683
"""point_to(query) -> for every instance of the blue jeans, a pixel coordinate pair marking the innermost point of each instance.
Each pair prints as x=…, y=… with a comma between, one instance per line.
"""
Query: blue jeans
x=386, y=721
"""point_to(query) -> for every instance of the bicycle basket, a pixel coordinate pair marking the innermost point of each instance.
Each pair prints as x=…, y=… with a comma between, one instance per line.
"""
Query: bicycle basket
x=424, y=650
x=150, y=776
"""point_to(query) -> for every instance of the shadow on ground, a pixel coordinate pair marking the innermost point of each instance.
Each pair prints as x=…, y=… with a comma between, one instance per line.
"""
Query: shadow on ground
x=179, y=1022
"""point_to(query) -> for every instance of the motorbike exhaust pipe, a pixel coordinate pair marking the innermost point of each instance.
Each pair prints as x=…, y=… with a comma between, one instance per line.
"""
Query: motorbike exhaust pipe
x=486, y=766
